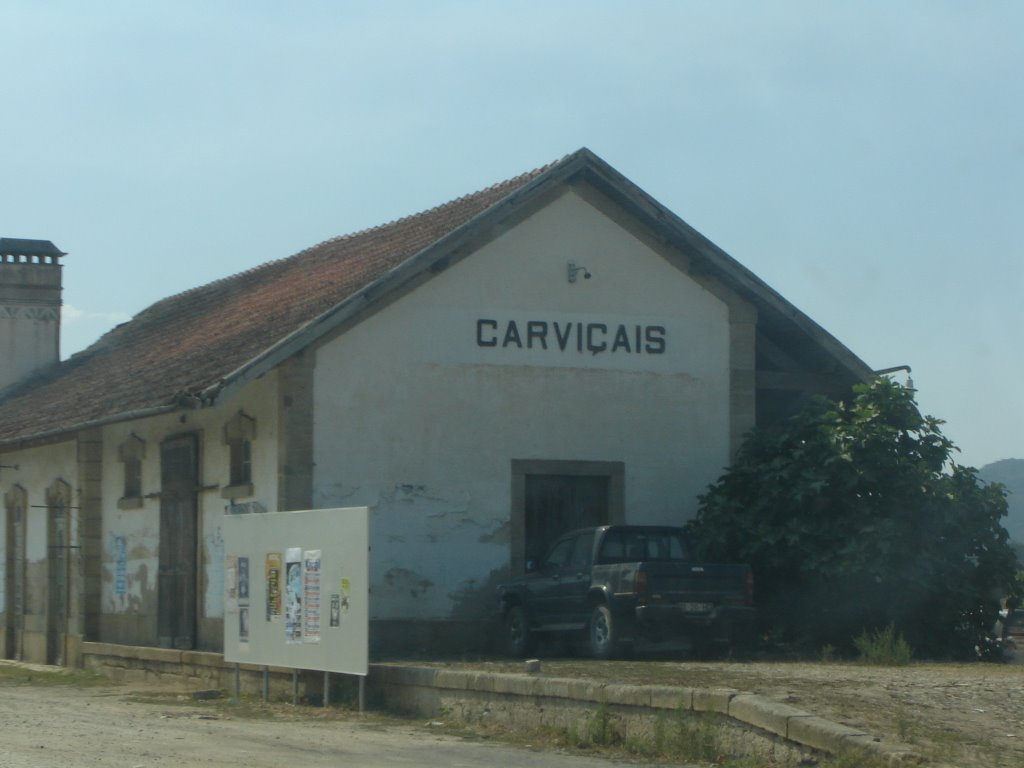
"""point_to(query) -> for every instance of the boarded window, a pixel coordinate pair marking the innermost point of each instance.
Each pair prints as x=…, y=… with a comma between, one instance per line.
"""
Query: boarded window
x=239, y=433
x=131, y=452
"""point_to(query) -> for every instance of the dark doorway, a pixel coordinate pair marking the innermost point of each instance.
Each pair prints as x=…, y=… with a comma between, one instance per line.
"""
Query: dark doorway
x=552, y=497
x=559, y=503
x=14, y=573
x=176, y=602
x=58, y=573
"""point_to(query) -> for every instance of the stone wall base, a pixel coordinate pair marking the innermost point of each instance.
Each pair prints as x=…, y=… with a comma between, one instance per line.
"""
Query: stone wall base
x=584, y=711
x=739, y=724
x=190, y=671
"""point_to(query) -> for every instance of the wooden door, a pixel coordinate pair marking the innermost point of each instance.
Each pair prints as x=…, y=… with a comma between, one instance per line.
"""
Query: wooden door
x=556, y=504
x=14, y=574
x=58, y=579
x=176, y=599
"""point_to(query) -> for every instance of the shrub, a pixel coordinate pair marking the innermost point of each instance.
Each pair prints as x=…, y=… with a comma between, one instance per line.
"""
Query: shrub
x=884, y=647
x=854, y=517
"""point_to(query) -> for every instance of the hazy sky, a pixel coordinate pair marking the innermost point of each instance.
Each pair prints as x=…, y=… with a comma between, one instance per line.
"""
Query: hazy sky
x=864, y=159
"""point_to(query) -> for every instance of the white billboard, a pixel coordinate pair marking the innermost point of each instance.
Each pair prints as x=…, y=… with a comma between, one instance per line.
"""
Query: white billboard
x=296, y=587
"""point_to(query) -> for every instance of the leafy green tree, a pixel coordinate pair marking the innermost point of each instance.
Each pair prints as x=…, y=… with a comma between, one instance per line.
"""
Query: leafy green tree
x=854, y=517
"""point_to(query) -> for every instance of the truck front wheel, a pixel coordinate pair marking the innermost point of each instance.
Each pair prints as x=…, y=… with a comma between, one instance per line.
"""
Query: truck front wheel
x=602, y=634
x=518, y=639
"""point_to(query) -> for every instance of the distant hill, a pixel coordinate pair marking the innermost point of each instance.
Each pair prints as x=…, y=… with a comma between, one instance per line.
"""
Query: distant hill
x=1009, y=472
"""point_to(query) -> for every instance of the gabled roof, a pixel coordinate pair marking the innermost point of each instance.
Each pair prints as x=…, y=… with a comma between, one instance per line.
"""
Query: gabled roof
x=187, y=349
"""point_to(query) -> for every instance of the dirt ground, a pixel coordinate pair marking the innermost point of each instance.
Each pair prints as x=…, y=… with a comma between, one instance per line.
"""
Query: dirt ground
x=46, y=725
x=967, y=715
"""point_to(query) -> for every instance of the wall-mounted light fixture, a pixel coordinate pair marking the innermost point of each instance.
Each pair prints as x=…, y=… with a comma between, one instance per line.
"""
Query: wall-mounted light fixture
x=894, y=369
x=573, y=269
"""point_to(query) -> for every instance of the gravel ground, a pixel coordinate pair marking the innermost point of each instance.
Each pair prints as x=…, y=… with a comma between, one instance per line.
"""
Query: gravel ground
x=50, y=726
x=967, y=715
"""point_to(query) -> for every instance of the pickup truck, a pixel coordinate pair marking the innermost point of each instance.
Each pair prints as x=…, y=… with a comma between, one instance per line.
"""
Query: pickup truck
x=624, y=586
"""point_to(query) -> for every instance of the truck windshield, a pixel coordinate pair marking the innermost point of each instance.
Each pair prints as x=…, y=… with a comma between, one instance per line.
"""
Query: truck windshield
x=630, y=546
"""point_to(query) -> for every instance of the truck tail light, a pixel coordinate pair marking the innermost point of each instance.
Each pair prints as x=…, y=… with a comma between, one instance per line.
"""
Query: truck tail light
x=750, y=588
x=640, y=582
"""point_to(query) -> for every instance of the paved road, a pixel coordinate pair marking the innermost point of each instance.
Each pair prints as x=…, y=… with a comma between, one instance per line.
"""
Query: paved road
x=48, y=726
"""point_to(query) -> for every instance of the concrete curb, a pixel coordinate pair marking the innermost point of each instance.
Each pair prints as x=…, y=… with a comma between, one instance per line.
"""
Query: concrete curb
x=776, y=718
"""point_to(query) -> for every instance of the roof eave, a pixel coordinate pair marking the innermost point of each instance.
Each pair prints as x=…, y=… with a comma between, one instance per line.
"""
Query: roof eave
x=53, y=435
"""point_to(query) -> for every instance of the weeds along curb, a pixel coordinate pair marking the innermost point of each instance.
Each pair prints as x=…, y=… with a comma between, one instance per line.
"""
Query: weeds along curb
x=526, y=699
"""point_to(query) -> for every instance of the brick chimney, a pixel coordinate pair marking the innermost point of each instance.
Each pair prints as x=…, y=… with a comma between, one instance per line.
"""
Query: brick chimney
x=30, y=301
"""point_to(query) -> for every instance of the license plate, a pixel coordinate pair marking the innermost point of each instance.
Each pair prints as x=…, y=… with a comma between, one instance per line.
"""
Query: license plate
x=696, y=607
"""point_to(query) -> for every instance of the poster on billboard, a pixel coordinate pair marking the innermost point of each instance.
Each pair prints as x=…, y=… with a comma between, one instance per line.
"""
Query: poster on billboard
x=311, y=608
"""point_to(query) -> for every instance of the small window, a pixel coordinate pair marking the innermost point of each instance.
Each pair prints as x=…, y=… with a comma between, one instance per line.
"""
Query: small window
x=132, y=478
x=647, y=544
x=131, y=452
x=558, y=557
x=582, y=552
x=239, y=433
x=241, y=462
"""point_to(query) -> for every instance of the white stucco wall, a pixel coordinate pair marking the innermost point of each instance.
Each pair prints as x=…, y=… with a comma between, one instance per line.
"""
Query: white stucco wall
x=420, y=422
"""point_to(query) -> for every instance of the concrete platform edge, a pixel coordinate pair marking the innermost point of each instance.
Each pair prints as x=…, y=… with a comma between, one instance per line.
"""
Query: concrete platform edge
x=781, y=720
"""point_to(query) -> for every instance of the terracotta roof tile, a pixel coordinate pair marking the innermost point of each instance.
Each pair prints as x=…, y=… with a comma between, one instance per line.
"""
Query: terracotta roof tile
x=188, y=342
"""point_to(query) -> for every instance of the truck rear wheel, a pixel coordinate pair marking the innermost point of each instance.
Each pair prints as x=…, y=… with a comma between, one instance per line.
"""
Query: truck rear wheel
x=518, y=638
x=602, y=634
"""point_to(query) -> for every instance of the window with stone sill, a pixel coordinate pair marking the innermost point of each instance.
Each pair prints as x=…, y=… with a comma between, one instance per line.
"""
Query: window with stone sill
x=239, y=433
x=131, y=452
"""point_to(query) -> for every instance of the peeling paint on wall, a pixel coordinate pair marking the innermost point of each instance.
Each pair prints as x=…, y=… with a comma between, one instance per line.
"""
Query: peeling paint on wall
x=120, y=567
x=344, y=495
x=427, y=540
x=213, y=562
x=404, y=580
x=476, y=598
x=140, y=600
x=418, y=492
x=408, y=492
x=127, y=565
x=502, y=534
